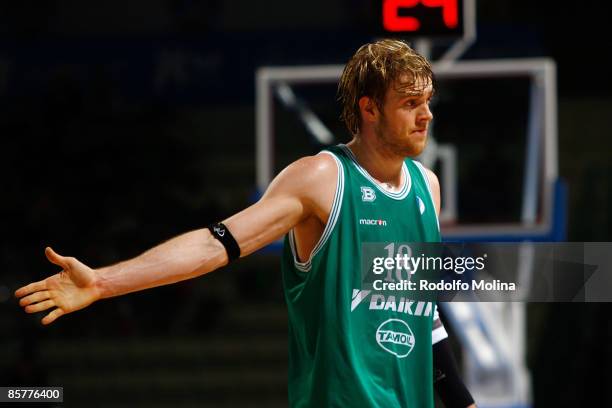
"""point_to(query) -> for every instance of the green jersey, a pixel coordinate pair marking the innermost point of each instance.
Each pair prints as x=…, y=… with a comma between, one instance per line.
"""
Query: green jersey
x=350, y=347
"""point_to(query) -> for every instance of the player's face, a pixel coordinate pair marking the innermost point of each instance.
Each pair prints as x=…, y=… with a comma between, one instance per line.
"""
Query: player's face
x=405, y=118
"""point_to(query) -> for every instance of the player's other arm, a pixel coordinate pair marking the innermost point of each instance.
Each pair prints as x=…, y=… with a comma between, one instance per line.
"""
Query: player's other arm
x=449, y=385
x=447, y=381
x=292, y=197
x=435, y=189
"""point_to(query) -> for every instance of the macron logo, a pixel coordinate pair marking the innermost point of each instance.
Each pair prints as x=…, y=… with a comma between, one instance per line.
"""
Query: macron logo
x=366, y=221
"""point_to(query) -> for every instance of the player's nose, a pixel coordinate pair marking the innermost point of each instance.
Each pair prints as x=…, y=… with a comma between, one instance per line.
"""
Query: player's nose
x=425, y=114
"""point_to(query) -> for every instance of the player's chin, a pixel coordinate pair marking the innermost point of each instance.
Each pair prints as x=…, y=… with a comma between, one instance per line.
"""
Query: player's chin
x=416, y=147
x=411, y=151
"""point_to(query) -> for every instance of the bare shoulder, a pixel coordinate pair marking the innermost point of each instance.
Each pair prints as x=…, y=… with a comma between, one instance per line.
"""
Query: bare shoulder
x=307, y=175
x=311, y=181
x=320, y=165
x=301, y=192
x=433, y=179
x=435, y=188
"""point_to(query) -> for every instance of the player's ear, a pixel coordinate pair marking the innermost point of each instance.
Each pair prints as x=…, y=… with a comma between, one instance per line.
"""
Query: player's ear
x=368, y=109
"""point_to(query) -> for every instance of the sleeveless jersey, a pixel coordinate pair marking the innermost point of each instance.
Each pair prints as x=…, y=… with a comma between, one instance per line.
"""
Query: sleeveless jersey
x=347, y=346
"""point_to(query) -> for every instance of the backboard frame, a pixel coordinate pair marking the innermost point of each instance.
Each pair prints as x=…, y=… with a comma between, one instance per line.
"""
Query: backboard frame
x=542, y=139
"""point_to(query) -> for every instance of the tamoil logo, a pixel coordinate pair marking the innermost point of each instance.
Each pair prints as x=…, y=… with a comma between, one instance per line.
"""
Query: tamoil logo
x=395, y=337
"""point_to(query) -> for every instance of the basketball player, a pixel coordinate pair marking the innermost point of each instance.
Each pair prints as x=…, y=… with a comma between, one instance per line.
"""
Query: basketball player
x=327, y=205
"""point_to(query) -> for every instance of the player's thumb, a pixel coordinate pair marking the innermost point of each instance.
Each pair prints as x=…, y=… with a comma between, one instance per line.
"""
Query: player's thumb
x=55, y=258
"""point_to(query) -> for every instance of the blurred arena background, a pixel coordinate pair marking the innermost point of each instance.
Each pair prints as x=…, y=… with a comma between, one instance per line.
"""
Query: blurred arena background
x=125, y=123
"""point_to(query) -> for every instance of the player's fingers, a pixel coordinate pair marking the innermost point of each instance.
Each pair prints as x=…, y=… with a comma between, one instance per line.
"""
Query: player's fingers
x=55, y=258
x=50, y=318
x=31, y=288
x=35, y=297
x=39, y=307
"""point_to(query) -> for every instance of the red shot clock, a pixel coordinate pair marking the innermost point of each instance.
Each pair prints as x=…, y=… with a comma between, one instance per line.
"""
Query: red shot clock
x=423, y=18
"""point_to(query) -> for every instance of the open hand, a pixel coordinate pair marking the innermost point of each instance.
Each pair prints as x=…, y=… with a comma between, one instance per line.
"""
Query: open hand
x=67, y=291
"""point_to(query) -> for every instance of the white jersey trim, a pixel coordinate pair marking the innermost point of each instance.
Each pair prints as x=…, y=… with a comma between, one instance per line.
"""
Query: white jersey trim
x=400, y=195
x=331, y=222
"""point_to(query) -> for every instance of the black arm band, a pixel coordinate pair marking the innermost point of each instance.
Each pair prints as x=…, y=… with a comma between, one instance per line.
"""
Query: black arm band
x=223, y=235
x=447, y=382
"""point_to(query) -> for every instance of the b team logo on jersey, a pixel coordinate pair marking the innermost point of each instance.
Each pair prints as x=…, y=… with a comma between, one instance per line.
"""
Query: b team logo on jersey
x=367, y=194
x=395, y=337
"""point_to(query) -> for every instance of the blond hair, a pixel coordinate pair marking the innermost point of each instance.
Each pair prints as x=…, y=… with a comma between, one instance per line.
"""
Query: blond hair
x=370, y=72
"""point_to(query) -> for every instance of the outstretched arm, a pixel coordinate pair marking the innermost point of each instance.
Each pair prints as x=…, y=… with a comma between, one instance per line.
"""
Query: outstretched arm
x=292, y=197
